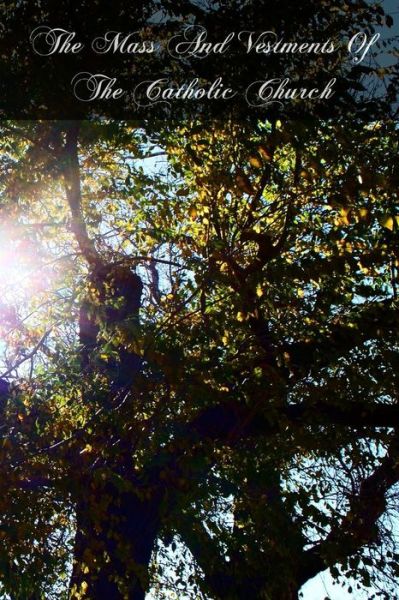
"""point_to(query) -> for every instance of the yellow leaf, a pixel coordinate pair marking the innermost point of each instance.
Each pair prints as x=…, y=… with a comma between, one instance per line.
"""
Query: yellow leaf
x=240, y=316
x=259, y=291
x=387, y=222
x=87, y=449
x=300, y=293
x=255, y=162
x=345, y=211
x=84, y=586
x=224, y=267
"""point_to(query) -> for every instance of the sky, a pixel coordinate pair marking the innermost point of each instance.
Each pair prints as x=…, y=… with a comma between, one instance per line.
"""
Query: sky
x=321, y=587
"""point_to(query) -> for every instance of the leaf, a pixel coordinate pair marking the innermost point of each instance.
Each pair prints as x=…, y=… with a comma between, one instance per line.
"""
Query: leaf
x=87, y=449
x=193, y=213
x=265, y=152
x=388, y=222
x=259, y=290
x=182, y=192
x=255, y=162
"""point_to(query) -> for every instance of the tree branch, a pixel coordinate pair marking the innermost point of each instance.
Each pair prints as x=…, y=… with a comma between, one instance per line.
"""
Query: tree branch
x=349, y=414
x=71, y=172
x=218, y=575
x=342, y=337
x=28, y=356
x=230, y=420
x=359, y=526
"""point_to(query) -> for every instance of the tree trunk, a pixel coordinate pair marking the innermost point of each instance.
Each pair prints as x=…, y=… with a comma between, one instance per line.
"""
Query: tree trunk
x=115, y=536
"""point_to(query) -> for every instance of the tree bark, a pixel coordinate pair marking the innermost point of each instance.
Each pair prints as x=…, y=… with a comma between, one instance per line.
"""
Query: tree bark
x=115, y=535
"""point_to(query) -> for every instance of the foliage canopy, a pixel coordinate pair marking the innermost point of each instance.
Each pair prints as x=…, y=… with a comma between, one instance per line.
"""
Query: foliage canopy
x=205, y=361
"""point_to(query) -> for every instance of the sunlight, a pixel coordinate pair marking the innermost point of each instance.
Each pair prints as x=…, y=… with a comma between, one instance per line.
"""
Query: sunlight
x=22, y=277
x=19, y=273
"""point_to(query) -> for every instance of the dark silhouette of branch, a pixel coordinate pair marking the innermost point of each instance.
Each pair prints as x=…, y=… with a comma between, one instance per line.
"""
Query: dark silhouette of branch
x=219, y=576
x=71, y=173
x=359, y=526
x=363, y=325
x=28, y=356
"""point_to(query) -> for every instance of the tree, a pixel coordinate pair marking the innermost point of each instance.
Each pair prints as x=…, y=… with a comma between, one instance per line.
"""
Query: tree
x=210, y=358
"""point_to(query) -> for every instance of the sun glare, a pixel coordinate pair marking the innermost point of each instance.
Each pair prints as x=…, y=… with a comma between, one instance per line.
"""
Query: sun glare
x=19, y=268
